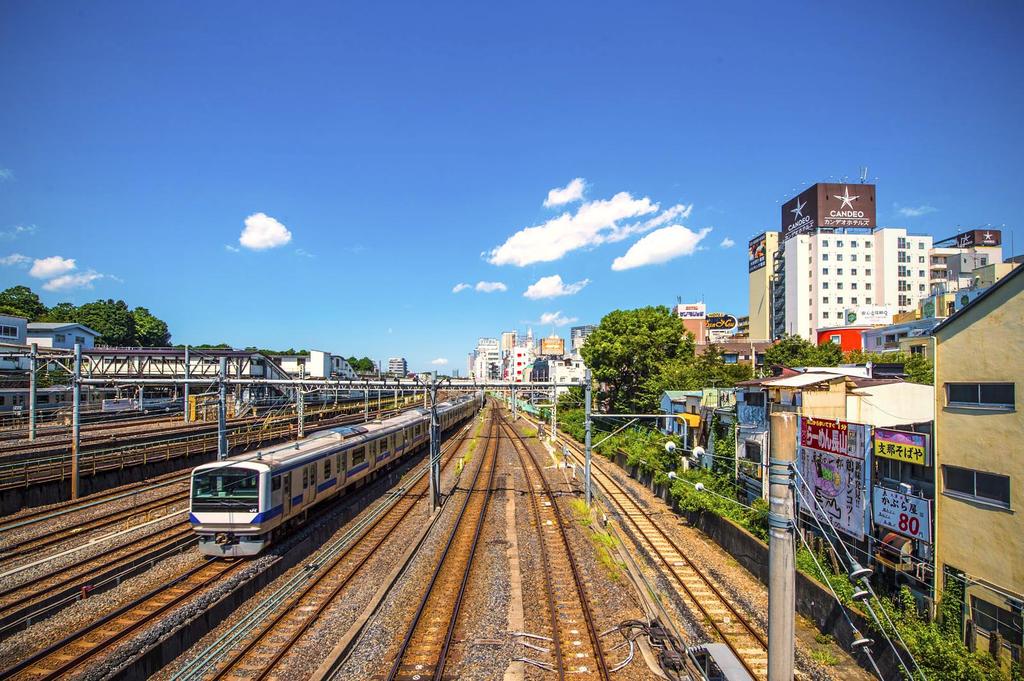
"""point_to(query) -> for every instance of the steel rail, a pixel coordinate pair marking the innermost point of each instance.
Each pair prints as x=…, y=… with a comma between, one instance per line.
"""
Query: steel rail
x=405, y=648
x=56, y=660
x=619, y=497
x=525, y=454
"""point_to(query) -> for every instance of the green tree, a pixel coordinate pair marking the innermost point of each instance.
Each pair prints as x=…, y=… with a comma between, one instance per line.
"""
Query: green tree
x=627, y=348
x=360, y=365
x=61, y=312
x=150, y=331
x=112, y=319
x=21, y=301
x=796, y=351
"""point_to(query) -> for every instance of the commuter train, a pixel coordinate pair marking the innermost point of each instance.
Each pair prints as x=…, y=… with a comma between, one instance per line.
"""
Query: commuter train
x=239, y=506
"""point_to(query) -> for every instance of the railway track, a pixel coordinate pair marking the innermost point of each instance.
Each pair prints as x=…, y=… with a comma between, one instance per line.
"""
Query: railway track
x=700, y=593
x=423, y=651
x=567, y=605
x=39, y=597
x=87, y=645
x=254, y=647
x=76, y=531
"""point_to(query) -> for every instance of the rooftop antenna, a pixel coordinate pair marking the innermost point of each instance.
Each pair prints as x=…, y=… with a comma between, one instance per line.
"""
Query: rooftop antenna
x=863, y=174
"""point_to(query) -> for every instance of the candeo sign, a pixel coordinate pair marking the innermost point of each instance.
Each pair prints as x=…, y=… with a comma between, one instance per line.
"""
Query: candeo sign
x=829, y=205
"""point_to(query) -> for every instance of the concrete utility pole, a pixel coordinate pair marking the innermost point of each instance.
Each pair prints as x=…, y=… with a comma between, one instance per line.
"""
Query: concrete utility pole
x=222, y=410
x=188, y=373
x=32, y=368
x=76, y=419
x=587, y=492
x=514, y=403
x=781, y=539
x=435, y=449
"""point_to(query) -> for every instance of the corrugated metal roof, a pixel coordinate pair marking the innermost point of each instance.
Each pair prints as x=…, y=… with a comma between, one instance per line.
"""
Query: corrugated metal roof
x=801, y=380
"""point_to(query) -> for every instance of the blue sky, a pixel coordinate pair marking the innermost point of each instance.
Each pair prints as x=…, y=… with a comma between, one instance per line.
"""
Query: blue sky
x=403, y=146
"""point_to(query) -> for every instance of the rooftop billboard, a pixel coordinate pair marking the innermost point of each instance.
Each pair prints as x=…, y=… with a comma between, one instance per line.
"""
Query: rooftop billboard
x=827, y=205
x=756, y=250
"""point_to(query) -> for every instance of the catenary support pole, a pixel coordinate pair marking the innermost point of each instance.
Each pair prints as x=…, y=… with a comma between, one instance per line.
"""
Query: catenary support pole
x=366, y=402
x=188, y=374
x=33, y=367
x=781, y=540
x=222, y=411
x=301, y=411
x=435, y=451
x=76, y=420
x=587, y=492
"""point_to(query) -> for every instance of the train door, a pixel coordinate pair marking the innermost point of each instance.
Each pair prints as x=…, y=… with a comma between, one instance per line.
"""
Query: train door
x=287, y=495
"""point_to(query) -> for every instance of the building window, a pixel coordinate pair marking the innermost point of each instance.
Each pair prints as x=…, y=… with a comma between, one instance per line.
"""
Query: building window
x=920, y=259
x=878, y=341
x=839, y=244
x=8, y=331
x=754, y=399
x=824, y=315
x=868, y=271
x=987, y=488
x=853, y=286
x=730, y=358
x=920, y=287
x=991, y=619
x=920, y=245
x=867, y=258
x=853, y=244
x=980, y=395
x=853, y=301
x=839, y=300
x=920, y=273
x=59, y=338
x=839, y=285
x=839, y=271
x=867, y=301
x=824, y=257
x=824, y=301
x=853, y=257
x=916, y=349
x=824, y=271
x=839, y=256
x=867, y=286
x=854, y=271
x=80, y=340
x=824, y=243
x=824, y=284
x=835, y=339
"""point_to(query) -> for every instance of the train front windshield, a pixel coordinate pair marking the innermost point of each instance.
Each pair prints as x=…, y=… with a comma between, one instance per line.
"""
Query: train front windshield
x=226, y=489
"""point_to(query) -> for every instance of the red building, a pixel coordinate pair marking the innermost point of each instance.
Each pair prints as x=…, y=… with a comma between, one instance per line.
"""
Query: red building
x=847, y=337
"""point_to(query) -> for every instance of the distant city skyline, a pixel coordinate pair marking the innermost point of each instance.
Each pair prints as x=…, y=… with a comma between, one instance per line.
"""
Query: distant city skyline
x=398, y=183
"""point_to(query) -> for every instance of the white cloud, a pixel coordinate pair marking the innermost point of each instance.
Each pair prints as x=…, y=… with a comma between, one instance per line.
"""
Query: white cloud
x=460, y=287
x=18, y=230
x=304, y=253
x=552, y=287
x=593, y=223
x=46, y=268
x=440, y=361
x=660, y=246
x=6, y=174
x=15, y=259
x=490, y=286
x=232, y=249
x=70, y=281
x=727, y=243
x=915, y=211
x=567, y=194
x=262, y=232
x=556, y=319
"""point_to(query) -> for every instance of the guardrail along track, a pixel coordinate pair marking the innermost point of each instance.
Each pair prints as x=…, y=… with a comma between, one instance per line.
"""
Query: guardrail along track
x=567, y=604
x=46, y=593
x=85, y=645
x=252, y=647
x=424, y=650
x=742, y=638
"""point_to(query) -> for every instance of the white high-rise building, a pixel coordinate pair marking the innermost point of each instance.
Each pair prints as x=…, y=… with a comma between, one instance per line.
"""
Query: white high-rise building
x=397, y=366
x=825, y=274
x=487, y=359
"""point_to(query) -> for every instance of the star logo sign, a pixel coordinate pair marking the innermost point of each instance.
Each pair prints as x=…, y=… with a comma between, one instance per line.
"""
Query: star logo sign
x=846, y=199
x=988, y=236
x=798, y=212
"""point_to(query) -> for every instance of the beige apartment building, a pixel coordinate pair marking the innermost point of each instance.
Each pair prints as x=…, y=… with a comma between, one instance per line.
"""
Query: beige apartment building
x=979, y=519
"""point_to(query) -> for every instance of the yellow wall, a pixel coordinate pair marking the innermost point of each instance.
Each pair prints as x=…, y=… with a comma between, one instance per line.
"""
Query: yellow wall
x=986, y=344
x=761, y=291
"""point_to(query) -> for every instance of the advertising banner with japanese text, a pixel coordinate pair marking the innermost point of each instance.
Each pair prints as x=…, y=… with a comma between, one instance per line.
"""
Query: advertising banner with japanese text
x=832, y=462
x=901, y=446
x=910, y=516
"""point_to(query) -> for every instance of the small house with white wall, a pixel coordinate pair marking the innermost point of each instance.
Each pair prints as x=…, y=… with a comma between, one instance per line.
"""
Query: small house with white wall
x=61, y=335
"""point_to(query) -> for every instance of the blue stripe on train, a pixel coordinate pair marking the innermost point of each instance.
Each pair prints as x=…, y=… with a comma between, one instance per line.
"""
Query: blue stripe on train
x=329, y=483
x=297, y=499
x=356, y=469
